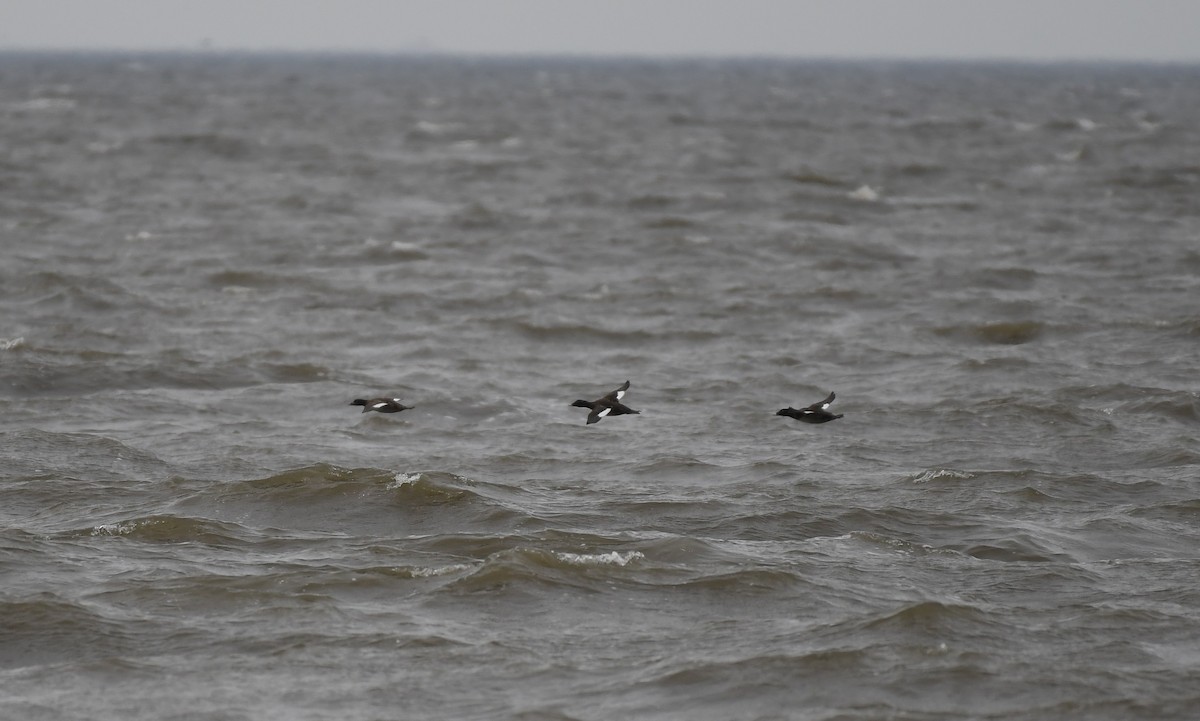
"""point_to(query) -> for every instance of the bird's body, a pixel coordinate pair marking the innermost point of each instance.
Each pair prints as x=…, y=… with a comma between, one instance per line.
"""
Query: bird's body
x=816, y=413
x=609, y=405
x=381, y=405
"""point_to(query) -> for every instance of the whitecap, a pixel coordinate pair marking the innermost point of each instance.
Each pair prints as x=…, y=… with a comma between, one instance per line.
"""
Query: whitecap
x=936, y=473
x=612, y=558
x=426, y=127
x=114, y=529
x=11, y=343
x=864, y=193
x=100, y=148
x=430, y=572
x=46, y=105
x=402, y=480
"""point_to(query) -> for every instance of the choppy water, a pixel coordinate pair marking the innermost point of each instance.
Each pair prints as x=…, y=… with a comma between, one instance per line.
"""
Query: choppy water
x=205, y=259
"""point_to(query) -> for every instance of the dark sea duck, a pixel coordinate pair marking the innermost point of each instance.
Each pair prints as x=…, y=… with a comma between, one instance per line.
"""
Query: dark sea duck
x=609, y=405
x=816, y=413
x=382, y=405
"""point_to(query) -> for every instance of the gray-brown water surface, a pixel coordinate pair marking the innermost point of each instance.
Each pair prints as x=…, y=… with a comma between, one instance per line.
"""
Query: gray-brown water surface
x=205, y=259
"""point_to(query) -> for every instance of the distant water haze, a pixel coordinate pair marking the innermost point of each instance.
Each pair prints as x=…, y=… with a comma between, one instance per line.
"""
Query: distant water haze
x=1149, y=30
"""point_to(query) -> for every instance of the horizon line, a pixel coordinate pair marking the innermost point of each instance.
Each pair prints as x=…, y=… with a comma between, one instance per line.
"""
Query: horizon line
x=590, y=55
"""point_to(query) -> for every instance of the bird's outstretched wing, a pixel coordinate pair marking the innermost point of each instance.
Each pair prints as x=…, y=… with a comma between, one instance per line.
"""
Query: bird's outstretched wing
x=618, y=394
x=822, y=405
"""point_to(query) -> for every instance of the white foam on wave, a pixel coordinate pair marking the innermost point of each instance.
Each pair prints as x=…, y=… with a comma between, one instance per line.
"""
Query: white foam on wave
x=440, y=571
x=864, y=193
x=101, y=148
x=11, y=343
x=612, y=558
x=936, y=473
x=426, y=127
x=402, y=480
x=45, y=105
x=123, y=528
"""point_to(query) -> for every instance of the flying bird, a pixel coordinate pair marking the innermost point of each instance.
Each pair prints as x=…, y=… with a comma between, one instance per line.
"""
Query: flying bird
x=609, y=405
x=382, y=405
x=816, y=413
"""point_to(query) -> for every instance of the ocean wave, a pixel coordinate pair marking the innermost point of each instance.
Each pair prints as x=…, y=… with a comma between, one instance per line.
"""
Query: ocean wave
x=719, y=677
x=371, y=501
x=1186, y=327
x=1032, y=485
x=90, y=294
x=939, y=618
x=1004, y=277
x=1182, y=177
x=1129, y=535
x=675, y=467
x=523, y=569
x=609, y=558
x=269, y=280
x=996, y=332
x=971, y=531
x=394, y=251
x=44, y=105
x=324, y=481
x=951, y=201
x=567, y=330
x=997, y=364
x=479, y=216
x=80, y=372
x=669, y=222
x=744, y=581
x=35, y=452
x=1033, y=409
x=1070, y=125
x=291, y=372
x=173, y=529
x=1175, y=405
x=217, y=145
x=893, y=544
x=739, y=683
x=1168, y=456
x=814, y=177
x=940, y=474
x=480, y=546
x=1021, y=547
x=1185, y=512
x=343, y=582
x=49, y=629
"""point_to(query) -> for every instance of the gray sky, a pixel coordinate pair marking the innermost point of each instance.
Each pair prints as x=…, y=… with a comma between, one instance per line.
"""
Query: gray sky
x=1018, y=29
